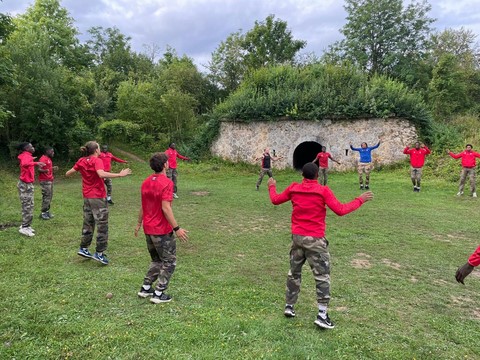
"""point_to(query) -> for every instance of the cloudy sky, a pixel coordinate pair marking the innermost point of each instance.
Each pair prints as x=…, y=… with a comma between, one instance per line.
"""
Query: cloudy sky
x=196, y=27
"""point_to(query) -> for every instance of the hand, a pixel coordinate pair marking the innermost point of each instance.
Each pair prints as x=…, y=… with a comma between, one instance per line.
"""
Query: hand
x=366, y=196
x=41, y=164
x=271, y=181
x=55, y=168
x=137, y=228
x=448, y=151
x=463, y=272
x=182, y=234
x=422, y=146
x=125, y=172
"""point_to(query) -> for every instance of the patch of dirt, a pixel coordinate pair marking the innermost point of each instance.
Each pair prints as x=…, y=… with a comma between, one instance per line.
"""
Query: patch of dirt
x=200, y=193
x=361, y=264
x=441, y=282
x=341, y=308
x=459, y=300
x=392, y=264
x=413, y=279
x=7, y=226
x=475, y=273
x=126, y=153
x=476, y=314
x=363, y=255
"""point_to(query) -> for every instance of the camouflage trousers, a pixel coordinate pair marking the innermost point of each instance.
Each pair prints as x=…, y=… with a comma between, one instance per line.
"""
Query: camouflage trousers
x=95, y=212
x=470, y=173
x=108, y=185
x=323, y=175
x=364, y=168
x=416, y=175
x=262, y=174
x=315, y=251
x=163, y=251
x=25, y=192
x=47, y=194
x=172, y=175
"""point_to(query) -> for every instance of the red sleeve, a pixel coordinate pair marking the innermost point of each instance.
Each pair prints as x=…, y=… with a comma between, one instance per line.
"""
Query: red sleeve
x=278, y=199
x=474, y=259
x=455, y=156
x=476, y=154
x=182, y=157
x=118, y=160
x=406, y=150
x=427, y=150
x=337, y=207
x=27, y=163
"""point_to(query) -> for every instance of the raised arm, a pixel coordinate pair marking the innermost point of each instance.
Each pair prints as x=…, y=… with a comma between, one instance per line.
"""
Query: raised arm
x=406, y=151
x=455, y=156
x=275, y=198
x=342, y=209
x=375, y=146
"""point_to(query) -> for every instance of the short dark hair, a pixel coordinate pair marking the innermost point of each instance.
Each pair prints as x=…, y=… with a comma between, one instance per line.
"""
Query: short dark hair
x=469, y=145
x=22, y=146
x=158, y=161
x=310, y=171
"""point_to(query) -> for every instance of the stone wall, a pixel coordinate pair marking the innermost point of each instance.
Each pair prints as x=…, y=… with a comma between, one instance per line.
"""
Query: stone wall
x=239, y=141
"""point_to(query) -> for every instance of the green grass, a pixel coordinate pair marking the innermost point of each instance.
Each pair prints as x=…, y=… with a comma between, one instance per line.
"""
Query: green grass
x=394, y=295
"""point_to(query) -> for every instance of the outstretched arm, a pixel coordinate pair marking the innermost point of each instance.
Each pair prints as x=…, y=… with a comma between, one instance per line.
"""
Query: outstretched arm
x=342, y=209
x=118, y=160
x=275, y=198
x=70, y=172
x=331, y=158
x=105, y=174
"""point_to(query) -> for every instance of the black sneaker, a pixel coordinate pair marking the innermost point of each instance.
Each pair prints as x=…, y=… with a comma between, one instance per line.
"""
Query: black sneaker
x=367, y=187
x=51, y=216
x=111, y=202
x=101, y=258
x=289, y=311
x=257, y=187
x=85, y=253
x=145, y=293
x=44, y=216
x=324, y=323
x=361, y=187
x=162, y=298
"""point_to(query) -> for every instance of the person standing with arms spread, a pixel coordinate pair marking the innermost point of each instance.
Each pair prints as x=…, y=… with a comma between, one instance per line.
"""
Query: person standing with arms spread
x=172, y=173
x=365, y=164
x=159, y=224
x=417, y=160
x=469, y=163
x=266, y=165
x=95, y=208
x=465, y=270
x=322, y=158
x=46, y=182
x=107, y=158
x=25, y=186
x=309, y=201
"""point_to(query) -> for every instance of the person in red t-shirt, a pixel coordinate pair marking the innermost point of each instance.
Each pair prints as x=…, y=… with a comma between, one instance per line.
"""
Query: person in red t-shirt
x=107, y=158
x=159, y=224
x=309, y=201
x=469, y=162
x=172, y=173
x=46, y=182
x=95, y=208
x=322, y=159
x=465, y=270
x=417, y=160
x=25, y=186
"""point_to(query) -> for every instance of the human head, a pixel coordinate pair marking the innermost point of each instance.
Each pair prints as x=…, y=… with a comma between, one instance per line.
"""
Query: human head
x=158, y=162
x=417, y=145
x=310, y=171
x=469, y=147
x=266, y=150
x=172, y=145
x=50, y=152
x=324, y=149
x=364, y=145
x=26, y=146
x=104, y=148
x=90, y=148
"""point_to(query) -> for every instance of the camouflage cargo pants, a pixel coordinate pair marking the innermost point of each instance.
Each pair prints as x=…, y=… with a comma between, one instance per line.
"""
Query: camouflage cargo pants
x=364, y=168
x=47, y=194
x=108, y=185
x=163, y=251
x=95, y=212
x=172, y=175
x=470, y=173
x=25, y=192
x=315, y=251
x=262, y=174
x=323, y=175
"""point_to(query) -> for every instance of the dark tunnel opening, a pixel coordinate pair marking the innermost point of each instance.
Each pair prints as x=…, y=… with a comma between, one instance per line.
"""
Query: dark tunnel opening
x=305, y=152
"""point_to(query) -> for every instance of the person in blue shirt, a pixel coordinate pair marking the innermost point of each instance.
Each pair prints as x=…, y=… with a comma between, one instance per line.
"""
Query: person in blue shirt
x=365, y=164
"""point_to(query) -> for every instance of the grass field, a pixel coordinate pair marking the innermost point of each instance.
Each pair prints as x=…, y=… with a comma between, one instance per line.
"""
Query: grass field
x=394, y=295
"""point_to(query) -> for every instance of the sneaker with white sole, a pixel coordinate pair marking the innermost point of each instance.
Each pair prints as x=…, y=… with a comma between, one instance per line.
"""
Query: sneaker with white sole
x=101, y=258
x=145, y=293
x=85, y=253
x=460, y=193
x=26, y=231
x=324, y=322
x=474, y=194
x=28, y=227
x=162, y=298
x=175, y=196
x=289, y=311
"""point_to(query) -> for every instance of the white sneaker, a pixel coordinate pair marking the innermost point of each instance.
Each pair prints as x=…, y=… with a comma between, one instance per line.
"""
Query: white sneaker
x=175, y=196
x=26, y=231
x=28, y=227
x=460, y=193
x=474, y=194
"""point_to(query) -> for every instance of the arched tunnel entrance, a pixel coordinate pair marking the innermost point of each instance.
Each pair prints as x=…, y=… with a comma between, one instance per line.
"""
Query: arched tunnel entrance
x=305, y=152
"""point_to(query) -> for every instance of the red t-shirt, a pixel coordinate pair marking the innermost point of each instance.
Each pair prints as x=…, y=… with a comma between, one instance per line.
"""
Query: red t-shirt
x=48, y=176
x=172, y=157
x=417, y=156
x=107, y=158
x=474, y=259
x=27, y=167
x=309, y=200
x=323, y=159
x=155, y=189
x=93, y=186
x=468, y=158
